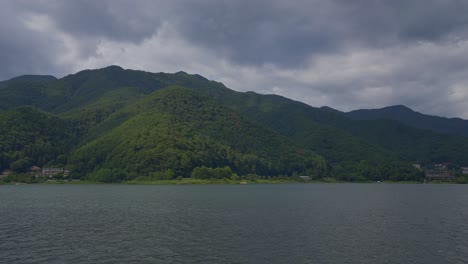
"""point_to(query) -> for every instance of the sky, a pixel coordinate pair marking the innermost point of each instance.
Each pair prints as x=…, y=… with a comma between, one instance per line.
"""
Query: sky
x=346, y=54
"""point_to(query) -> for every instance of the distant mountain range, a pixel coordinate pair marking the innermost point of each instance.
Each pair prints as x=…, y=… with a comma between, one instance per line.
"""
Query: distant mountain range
x=456, y=126
x=26, y=78
x=143, y=123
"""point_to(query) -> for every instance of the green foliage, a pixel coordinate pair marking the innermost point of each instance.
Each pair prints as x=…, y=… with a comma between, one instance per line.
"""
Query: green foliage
x=343, y=141
x=113, y=124
x=31, y=137
x=213, y=173
x=462, y=179
x=179, y=129
x=107, y=175
x=201, y=173
x=22, y=177
x=163, y=175
x=20, y=165
x=364, y=171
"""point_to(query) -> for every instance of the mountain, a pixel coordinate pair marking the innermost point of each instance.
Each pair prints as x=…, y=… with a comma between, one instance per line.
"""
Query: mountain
x=347, y=143
x=144, y=124
x=179, y=129
x=314, y=128
x=455, y=126
x=28, y=78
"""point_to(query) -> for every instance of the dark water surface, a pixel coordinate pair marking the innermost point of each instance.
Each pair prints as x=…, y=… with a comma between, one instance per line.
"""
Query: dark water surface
x=289, y=223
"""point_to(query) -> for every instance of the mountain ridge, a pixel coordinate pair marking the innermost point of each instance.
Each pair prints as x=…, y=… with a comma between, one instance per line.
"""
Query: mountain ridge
x=98, y=104
x=26, y=78
x=401, y=113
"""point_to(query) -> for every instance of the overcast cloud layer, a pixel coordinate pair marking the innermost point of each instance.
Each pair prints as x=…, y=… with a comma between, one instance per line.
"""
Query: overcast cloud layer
x=341, y=53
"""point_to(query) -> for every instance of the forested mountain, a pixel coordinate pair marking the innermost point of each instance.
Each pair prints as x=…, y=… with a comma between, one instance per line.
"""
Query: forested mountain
x=178, y=129
x=28, y=78
x=144, y=124
x=32, y=137
x=456, y=126
x=351, y=146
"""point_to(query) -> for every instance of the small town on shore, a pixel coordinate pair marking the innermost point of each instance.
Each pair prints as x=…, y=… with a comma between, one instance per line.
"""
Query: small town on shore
x=49, y=173
x=440, y=172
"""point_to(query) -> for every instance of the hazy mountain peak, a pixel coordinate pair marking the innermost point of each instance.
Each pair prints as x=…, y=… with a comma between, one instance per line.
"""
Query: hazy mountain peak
x=329, y=109
x=113, y=67
x=27, y=78
x=412, y=118
x=398, y=108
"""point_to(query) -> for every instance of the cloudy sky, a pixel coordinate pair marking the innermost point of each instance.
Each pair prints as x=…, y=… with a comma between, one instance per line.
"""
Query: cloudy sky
x=347, y=54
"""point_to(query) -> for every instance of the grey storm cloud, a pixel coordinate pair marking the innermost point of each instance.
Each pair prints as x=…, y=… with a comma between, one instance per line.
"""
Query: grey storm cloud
x=347, y=54
x=264, y=31
x=120, y=20
x=21, y=50
x=288, y=32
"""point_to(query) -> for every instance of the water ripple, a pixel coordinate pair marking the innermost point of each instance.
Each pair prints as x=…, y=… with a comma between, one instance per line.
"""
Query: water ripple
x=297, y=223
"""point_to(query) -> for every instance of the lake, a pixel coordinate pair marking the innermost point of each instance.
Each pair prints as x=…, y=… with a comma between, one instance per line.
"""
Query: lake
x=271, y=223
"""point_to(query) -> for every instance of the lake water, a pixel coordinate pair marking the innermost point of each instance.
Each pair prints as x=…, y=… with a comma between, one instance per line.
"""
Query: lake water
x=284, y=223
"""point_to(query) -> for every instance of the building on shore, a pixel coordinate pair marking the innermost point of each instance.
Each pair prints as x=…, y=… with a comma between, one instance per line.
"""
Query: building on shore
x=440, y=175
x=305, y=178
x=50, y=172
x=38, y=172
x=464, y=170
x=4, y=173
x=35, y=169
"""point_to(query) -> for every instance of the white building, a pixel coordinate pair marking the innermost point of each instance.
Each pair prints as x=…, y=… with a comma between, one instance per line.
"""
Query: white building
x=465, y=170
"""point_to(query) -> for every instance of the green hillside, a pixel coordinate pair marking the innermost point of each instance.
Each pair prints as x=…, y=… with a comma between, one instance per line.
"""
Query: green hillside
x=308, y=126
x=180, y=129
x=30, y=137
x=343, y=140
x=130, y=121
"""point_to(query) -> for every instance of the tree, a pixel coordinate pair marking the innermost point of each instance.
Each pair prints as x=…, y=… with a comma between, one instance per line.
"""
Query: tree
x=220, y=173
x=21, y=165
x=107, y=175
x=201, y=173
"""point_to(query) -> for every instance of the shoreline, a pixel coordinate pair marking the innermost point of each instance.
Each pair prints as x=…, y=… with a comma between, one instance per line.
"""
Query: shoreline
x=216, y=182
